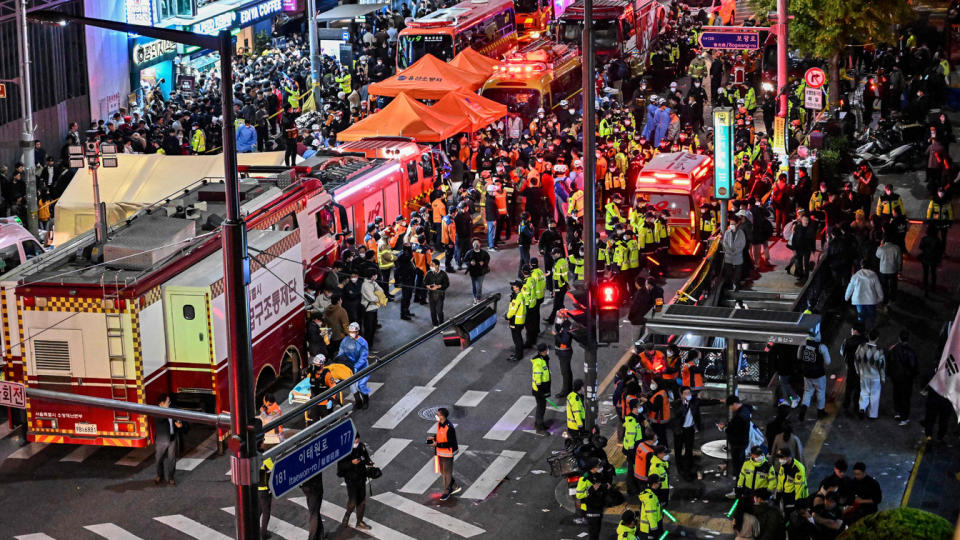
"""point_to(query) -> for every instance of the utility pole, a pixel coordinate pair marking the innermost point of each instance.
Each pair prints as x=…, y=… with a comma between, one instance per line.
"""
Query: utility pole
x=589, y=218
x=236, y=268
x=314, y=51
x=782, y=60
x=26, y=112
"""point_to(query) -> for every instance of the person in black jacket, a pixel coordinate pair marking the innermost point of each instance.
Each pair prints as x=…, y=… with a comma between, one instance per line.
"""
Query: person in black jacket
x=353, y=470
x=405, y=276
x=563, y=345
x=436, y=283
x=315, y=340
x=463, y=227
x=644, y=299
x=478, y=265
x=738, y=433
x=167, y=434
x=687, y=423
x=351, y=296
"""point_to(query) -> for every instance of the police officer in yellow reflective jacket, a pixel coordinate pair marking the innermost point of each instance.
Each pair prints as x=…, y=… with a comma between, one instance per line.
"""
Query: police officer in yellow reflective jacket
x=659, y=466
x=756, y=473
x=612, y=213
x=650, y=512
x=540, y=371
x=627, y=528
x=517, y=317
x=263, y=488
x=575, y=410
x=791, y=480
x=577, y=262
x=590, y=497
x=632, y=434
x=708, y=220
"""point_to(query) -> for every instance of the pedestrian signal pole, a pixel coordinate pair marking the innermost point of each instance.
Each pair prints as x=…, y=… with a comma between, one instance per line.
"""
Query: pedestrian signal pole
x=589, y=219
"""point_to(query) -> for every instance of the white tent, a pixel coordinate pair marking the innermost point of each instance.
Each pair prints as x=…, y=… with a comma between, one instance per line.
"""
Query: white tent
x=138, y=180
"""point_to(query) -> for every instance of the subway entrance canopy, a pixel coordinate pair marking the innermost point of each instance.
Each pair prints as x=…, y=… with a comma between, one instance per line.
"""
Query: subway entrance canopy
x=749, y=325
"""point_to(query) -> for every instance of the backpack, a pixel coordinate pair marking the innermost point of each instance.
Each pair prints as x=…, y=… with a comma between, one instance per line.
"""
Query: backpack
x=808, y=354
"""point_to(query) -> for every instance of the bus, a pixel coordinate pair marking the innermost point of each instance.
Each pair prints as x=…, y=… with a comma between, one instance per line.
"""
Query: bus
x=620, y=27
x=489, y=26
x=541, y=75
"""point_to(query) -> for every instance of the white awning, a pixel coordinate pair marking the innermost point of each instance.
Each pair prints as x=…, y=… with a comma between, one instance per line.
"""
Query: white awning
x=349, y=11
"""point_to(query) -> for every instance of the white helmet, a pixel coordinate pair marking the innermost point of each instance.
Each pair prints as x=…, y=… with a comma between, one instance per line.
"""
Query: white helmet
x=354, y=327
x=319, y=359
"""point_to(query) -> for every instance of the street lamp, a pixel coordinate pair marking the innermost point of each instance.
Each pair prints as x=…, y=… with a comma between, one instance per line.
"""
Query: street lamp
x=95, y=154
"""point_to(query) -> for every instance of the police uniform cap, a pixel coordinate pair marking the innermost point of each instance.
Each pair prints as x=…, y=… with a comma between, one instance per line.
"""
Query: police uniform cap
x=756, y=451
x=516, y=283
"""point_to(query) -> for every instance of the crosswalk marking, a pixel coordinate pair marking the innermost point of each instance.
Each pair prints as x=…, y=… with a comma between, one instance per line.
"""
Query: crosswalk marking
x=111, y=532
x=28, y=451
x=450, y=365
x=471, y=398
x=433, y=428
x=493, y=475
x=511, y=419
x=199, y=454
x=135, y=457
x=80, y=453
x=35, y=536
x=389, y=450
x=427, y=475
x=336, y=513
x=374, y=386
x=279, y=527
x=403, y=407
x=191, y=528
x=430, y=515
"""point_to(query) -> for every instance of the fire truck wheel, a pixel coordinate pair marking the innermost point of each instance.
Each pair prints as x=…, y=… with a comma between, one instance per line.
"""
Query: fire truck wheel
x=264, y=382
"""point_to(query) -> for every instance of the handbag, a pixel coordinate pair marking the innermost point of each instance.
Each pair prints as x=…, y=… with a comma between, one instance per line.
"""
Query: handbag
x=373, y=473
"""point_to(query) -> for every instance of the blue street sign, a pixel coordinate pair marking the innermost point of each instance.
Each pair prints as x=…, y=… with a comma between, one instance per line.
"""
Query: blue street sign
x=749, y=40
x=313, y=457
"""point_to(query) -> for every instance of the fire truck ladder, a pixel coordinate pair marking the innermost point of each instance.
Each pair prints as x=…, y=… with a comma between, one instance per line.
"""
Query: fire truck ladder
x=115, y=346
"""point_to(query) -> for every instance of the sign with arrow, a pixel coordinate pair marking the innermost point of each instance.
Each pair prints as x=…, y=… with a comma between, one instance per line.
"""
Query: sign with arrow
x=814, y=77
x=311, y=458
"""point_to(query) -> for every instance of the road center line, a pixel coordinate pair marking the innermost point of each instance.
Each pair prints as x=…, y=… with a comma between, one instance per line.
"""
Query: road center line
x=446, y=369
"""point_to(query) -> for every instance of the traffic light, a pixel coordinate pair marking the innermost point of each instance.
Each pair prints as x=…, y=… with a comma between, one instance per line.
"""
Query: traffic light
x=608, y=311
x=577, y=313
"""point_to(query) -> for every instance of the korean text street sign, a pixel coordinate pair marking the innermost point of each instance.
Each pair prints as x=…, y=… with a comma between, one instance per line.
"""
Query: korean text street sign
x=723, y=152
x=731, y=38
x=779, y=135
x=814, y=77
x=13, y=395
x=311, y=458
x=813, y=98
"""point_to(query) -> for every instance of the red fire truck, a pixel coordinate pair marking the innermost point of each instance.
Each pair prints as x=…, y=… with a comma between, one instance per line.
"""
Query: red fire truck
x=144, y=314
x=621, y=27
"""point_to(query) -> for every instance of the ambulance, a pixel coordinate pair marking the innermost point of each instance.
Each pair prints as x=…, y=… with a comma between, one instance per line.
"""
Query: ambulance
x=541, y=75
x=678, y=182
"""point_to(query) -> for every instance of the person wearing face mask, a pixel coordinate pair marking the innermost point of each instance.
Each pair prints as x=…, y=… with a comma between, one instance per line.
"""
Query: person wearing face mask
x=734, y=242
x=353, y=470
x=687, y=423
x=540, y=370
x=436, y=283
x=356, y=351
x=651, y=513
x=791, y=480
x=477, y=261
x=659, y=409
x=590, y=497
x=659, y=465
x=445, y=445
x=755, y=474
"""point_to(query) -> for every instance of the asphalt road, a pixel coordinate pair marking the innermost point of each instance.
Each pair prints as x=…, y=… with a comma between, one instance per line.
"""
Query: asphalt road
x=71, y=492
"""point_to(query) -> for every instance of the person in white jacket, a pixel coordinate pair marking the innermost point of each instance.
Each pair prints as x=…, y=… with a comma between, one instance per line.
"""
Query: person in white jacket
x=865, y=291
x=871, y=365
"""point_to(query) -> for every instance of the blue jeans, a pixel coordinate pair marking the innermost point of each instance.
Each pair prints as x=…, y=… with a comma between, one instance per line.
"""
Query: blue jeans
x=818, y=385
x=867, y=314
x=491, y=233
x=476, y=283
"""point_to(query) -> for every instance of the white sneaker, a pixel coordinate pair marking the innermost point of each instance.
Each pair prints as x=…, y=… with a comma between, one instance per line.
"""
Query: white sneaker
x=794, y=402
x=732, y=495
x=904, y=422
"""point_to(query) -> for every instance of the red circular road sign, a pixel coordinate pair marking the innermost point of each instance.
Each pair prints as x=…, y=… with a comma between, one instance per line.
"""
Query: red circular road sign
x=814, y=77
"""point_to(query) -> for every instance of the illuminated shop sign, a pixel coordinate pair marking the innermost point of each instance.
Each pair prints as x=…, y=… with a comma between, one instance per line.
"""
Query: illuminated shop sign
x=238, y=18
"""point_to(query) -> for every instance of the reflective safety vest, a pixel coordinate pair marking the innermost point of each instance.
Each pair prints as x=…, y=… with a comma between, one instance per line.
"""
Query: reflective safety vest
x=517, y=311
x=661, y=416
x=755, y=475
x=691, y=375
x=708, y=221
x=541, y=372
x=645, y=236
x=641, y=462
x=650, y=513
x=583, y=490
x=613, y=181
x=817, y=201
x=660, y=467
x=938, y=211
x=575, y=411
x=575, y=204
x=633, y=254
x=561, y=272
x=671, y=367
x=793, y=481
x=265, y=468
x=886, y=204
x=501, y=200
x=612, y=216
x=385, y=258
x=528, y=292
x=344, y=83
x=199, y=142
x=660, y=230
x=539, y=283
x=604, y=253
x=620, y=255
x=631, y=433
x=441, y=437
x=626, y=533
x=577, y=267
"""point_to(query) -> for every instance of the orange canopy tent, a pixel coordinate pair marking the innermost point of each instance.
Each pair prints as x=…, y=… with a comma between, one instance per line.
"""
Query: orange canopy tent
x=428, y=78
x=479, y=110
x=472, y=60
x=407, y=117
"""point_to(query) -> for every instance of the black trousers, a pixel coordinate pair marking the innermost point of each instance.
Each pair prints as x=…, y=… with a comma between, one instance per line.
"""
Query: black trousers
x=384, y=280
x=541, y=398
x=633, y=486
x=737, y=453
x=851, y=392
x=532, y=325
x=594, y=522
x=266, y=503
x=314, y=500
x=406, y=294
x=436, y=308
x=566, y=373
x=559, y=295
x=516, y=332
x=929, y=278
x=902, y=393
x=369, y=326
x=661, y=431
x=290, y=155
x=419, y=293
x=939, y=411
x=683, y=448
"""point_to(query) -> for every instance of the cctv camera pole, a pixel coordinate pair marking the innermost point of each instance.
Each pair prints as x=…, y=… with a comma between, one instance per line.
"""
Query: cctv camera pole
x=314, y=51
x=589, y=219
x=26, y=112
